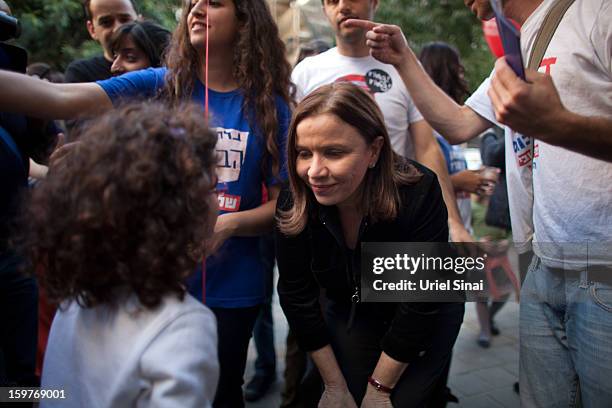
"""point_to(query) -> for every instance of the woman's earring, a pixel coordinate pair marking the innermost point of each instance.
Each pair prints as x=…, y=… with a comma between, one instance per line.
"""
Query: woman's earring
x=372, y=165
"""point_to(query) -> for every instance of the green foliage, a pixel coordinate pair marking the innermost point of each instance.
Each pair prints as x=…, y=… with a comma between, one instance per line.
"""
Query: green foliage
x=54, y=31
x=442, y=20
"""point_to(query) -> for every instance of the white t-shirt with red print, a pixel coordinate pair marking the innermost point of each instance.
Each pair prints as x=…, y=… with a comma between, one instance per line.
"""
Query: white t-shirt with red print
x=571, y=223
x=381, y=80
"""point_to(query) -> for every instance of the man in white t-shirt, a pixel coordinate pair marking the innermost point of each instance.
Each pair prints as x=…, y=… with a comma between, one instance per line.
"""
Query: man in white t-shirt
x=350, y=61
x=563, y=197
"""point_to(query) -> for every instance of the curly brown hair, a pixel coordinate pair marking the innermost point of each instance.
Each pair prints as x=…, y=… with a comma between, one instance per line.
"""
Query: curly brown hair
x=128, y=207
x=260, y=68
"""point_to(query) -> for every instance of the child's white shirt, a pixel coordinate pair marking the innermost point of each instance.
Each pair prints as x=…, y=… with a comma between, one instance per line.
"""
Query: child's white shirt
x=130, y=356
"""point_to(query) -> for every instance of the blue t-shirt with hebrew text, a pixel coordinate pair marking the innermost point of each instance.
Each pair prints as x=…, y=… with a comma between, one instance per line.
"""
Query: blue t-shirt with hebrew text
x=235, y=275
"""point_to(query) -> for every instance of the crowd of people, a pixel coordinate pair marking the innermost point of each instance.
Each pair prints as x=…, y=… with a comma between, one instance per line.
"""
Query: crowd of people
x=176, y=168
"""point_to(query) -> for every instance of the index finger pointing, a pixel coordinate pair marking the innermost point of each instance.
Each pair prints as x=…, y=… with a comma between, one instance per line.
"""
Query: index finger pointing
x=356, y=23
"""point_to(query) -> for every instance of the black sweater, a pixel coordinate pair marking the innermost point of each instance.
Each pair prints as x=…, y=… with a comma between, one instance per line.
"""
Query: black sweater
x=317, y=258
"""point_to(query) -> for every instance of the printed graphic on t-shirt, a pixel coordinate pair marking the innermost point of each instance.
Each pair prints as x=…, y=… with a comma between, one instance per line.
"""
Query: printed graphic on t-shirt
x=374, y=81
x=521, y=145
x=228, y=202
x=231, y=153
x=547, y=63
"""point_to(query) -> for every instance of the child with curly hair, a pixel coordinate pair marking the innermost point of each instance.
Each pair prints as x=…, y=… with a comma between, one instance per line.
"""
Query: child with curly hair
x=119, y=225
x=227, y=56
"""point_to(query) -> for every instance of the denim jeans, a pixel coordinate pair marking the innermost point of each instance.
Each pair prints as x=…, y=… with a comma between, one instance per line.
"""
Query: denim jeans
x=565, y=339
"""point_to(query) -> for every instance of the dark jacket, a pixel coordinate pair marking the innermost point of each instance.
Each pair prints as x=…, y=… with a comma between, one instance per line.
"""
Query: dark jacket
x=317, y=258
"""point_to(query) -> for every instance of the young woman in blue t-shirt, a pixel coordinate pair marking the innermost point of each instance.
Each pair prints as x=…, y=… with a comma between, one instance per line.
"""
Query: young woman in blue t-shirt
x=248, y=98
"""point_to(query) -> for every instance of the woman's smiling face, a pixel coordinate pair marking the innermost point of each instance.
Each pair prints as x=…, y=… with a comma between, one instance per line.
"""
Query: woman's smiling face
x=222, y=23
x=333, y=158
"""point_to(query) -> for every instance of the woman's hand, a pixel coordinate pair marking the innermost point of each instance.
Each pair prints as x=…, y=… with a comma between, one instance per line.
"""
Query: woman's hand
x=336, y=392
x=61, y=151
x=336, y=396
x=224, y=229
x=376, y=399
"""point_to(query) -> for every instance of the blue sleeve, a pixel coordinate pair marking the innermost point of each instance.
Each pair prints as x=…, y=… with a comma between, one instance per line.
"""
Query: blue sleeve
x=445, y=147
x=283, y=113
x=134, y=85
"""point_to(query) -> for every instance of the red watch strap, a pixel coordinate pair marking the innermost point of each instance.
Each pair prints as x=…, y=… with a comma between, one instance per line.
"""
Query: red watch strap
x=379, y=387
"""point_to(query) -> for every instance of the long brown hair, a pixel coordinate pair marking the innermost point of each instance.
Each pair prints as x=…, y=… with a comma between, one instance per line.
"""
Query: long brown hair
x=443, y=64
x=354, y=106
x=260, y=68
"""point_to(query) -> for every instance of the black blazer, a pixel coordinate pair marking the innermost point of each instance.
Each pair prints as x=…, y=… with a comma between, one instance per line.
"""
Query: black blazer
x=318, y=258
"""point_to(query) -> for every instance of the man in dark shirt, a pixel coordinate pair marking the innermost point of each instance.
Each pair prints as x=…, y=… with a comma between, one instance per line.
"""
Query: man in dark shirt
x=103, y=17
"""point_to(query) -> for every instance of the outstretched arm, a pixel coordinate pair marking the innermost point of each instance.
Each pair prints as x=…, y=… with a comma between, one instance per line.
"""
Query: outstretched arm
x=387, y=44
x=428, y=153
x=534, y=108
x=37, y=98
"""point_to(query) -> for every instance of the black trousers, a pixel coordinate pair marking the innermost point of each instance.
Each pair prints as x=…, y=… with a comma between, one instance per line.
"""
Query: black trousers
x=18, y=324
x=358, y=352
x=234, y=328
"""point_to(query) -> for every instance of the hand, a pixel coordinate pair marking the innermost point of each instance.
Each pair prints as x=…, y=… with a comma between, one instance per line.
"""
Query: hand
x=376, y=399
x=492, y=247
x=336, y=396
x=466, y=180
x=458, y=233
x=38, y=171
x=387, y=42
x=481, y=181
x=532, y=108
x=62, y=150
x=224, y=229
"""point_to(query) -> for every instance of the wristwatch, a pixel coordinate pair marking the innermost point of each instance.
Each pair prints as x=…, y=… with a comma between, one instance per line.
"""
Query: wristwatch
x=379, y=386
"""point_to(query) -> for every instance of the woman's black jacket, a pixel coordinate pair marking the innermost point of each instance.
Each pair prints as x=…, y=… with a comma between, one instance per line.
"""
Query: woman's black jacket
x=317, y=258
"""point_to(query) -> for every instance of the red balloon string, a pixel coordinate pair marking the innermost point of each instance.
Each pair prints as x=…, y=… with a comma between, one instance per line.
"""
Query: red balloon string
x=206, y=116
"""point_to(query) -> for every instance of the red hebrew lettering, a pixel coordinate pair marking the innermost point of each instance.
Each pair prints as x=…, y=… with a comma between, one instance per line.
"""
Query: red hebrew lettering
x=548, y=62
x=524, y=159
x=228, y=202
